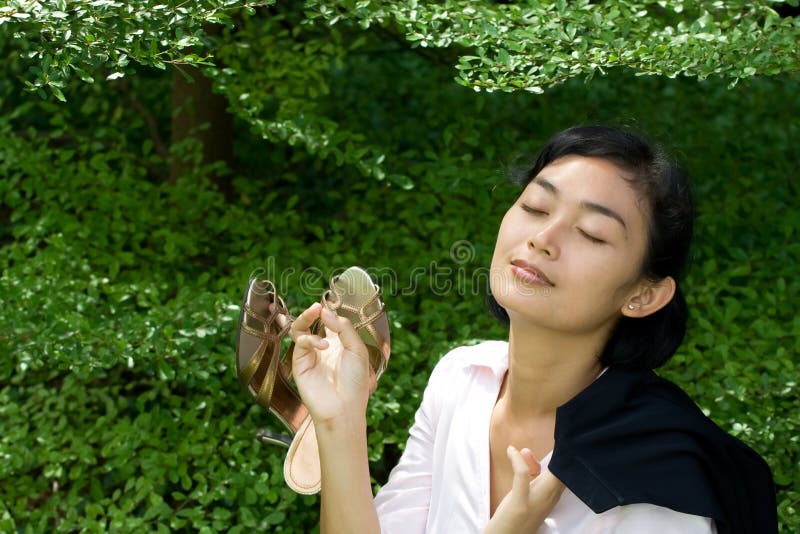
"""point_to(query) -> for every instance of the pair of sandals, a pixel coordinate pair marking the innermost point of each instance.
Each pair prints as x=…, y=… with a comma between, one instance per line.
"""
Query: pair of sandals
x=264, y=322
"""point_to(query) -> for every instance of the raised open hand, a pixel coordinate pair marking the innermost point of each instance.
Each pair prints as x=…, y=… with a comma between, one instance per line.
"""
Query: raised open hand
x=533, y=494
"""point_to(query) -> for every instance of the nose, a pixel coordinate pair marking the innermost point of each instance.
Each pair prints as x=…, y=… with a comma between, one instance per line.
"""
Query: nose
x=544, y=240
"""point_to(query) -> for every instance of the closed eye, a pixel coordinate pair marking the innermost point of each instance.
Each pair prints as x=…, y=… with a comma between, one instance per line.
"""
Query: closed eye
x=532, y=210
x=591, y=238
x=536, y=211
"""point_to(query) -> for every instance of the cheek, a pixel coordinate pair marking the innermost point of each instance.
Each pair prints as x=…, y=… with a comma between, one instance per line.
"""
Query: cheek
x=511, y=231
x=503, y=247
x=604, y=279
x=502, y=237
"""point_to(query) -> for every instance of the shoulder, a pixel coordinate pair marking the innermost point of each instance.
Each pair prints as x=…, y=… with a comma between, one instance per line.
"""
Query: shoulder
x=630, y=428
x=491, y=354
x=654, y=409
x=645, y=398
x=654, y=396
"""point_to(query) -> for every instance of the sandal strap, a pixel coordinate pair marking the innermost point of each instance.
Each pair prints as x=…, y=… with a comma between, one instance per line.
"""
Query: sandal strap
x=264, y=393
x=249, y=370
x=265, y=321
x=364, y=319
x=280, y=308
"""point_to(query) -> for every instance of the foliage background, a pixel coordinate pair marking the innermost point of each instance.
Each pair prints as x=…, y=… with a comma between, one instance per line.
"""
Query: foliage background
x=122, y=270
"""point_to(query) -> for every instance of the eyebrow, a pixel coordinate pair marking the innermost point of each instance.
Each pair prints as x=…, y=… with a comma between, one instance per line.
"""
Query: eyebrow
x=591, y=206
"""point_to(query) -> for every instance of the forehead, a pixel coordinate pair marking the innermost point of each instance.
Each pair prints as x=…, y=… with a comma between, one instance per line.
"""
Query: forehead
x=581, y=177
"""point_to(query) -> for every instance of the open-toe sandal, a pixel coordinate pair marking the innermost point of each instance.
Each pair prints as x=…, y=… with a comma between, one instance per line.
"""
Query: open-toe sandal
x=354, y=295
x=263, y=323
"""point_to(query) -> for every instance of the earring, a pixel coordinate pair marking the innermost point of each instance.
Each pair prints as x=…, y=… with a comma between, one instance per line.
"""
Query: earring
x=631, y=307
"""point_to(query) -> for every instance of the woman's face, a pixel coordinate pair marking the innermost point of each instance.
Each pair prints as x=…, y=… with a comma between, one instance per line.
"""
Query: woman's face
x=569, y=250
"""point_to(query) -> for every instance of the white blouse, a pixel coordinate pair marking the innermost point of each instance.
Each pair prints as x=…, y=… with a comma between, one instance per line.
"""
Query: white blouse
x=441, y=484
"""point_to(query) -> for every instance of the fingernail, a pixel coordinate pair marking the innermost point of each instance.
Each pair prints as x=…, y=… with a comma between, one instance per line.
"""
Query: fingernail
x=328, y=313
x=511, y=448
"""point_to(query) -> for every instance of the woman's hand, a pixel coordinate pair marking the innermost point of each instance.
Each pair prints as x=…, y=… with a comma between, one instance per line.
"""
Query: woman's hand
x=334, y=379
x=333, y=374
x=533, y=494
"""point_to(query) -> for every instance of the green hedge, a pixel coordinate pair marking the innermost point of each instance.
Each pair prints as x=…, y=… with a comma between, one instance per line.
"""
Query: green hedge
x=119, y=403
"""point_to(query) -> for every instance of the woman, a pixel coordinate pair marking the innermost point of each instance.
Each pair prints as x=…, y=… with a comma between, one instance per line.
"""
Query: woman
x=585, y=272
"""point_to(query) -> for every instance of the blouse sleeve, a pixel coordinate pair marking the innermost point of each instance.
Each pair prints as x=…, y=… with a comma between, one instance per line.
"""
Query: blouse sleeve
x=403, y=502
x=638, y=518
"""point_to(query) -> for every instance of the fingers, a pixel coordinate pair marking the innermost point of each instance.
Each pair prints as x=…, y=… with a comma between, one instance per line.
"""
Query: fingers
x=281, y=318
x=301, y=334
x=307, y=342
x=520, y=484
x=302, y=324
x=342, y=326
x=533, y=465
x=300, y=331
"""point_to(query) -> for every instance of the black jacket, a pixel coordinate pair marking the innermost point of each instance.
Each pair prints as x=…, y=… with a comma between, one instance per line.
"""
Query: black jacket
x=633, y=437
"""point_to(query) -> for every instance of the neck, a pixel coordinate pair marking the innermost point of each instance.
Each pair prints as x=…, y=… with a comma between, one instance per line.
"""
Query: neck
x=546, y=369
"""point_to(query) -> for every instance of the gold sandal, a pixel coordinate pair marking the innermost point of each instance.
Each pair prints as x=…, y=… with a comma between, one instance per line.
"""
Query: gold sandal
x=352, y=294
x=258, y=364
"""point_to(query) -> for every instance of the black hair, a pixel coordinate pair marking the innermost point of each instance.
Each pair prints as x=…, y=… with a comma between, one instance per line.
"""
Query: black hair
x=646, y=342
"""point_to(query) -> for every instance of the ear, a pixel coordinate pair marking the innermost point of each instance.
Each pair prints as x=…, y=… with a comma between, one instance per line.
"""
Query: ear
x=649, y=297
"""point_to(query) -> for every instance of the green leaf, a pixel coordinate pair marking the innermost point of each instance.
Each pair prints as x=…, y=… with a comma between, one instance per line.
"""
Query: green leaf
x=57, y=93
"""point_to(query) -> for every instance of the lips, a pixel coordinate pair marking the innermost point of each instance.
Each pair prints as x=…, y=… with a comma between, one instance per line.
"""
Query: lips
x=531, y=273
